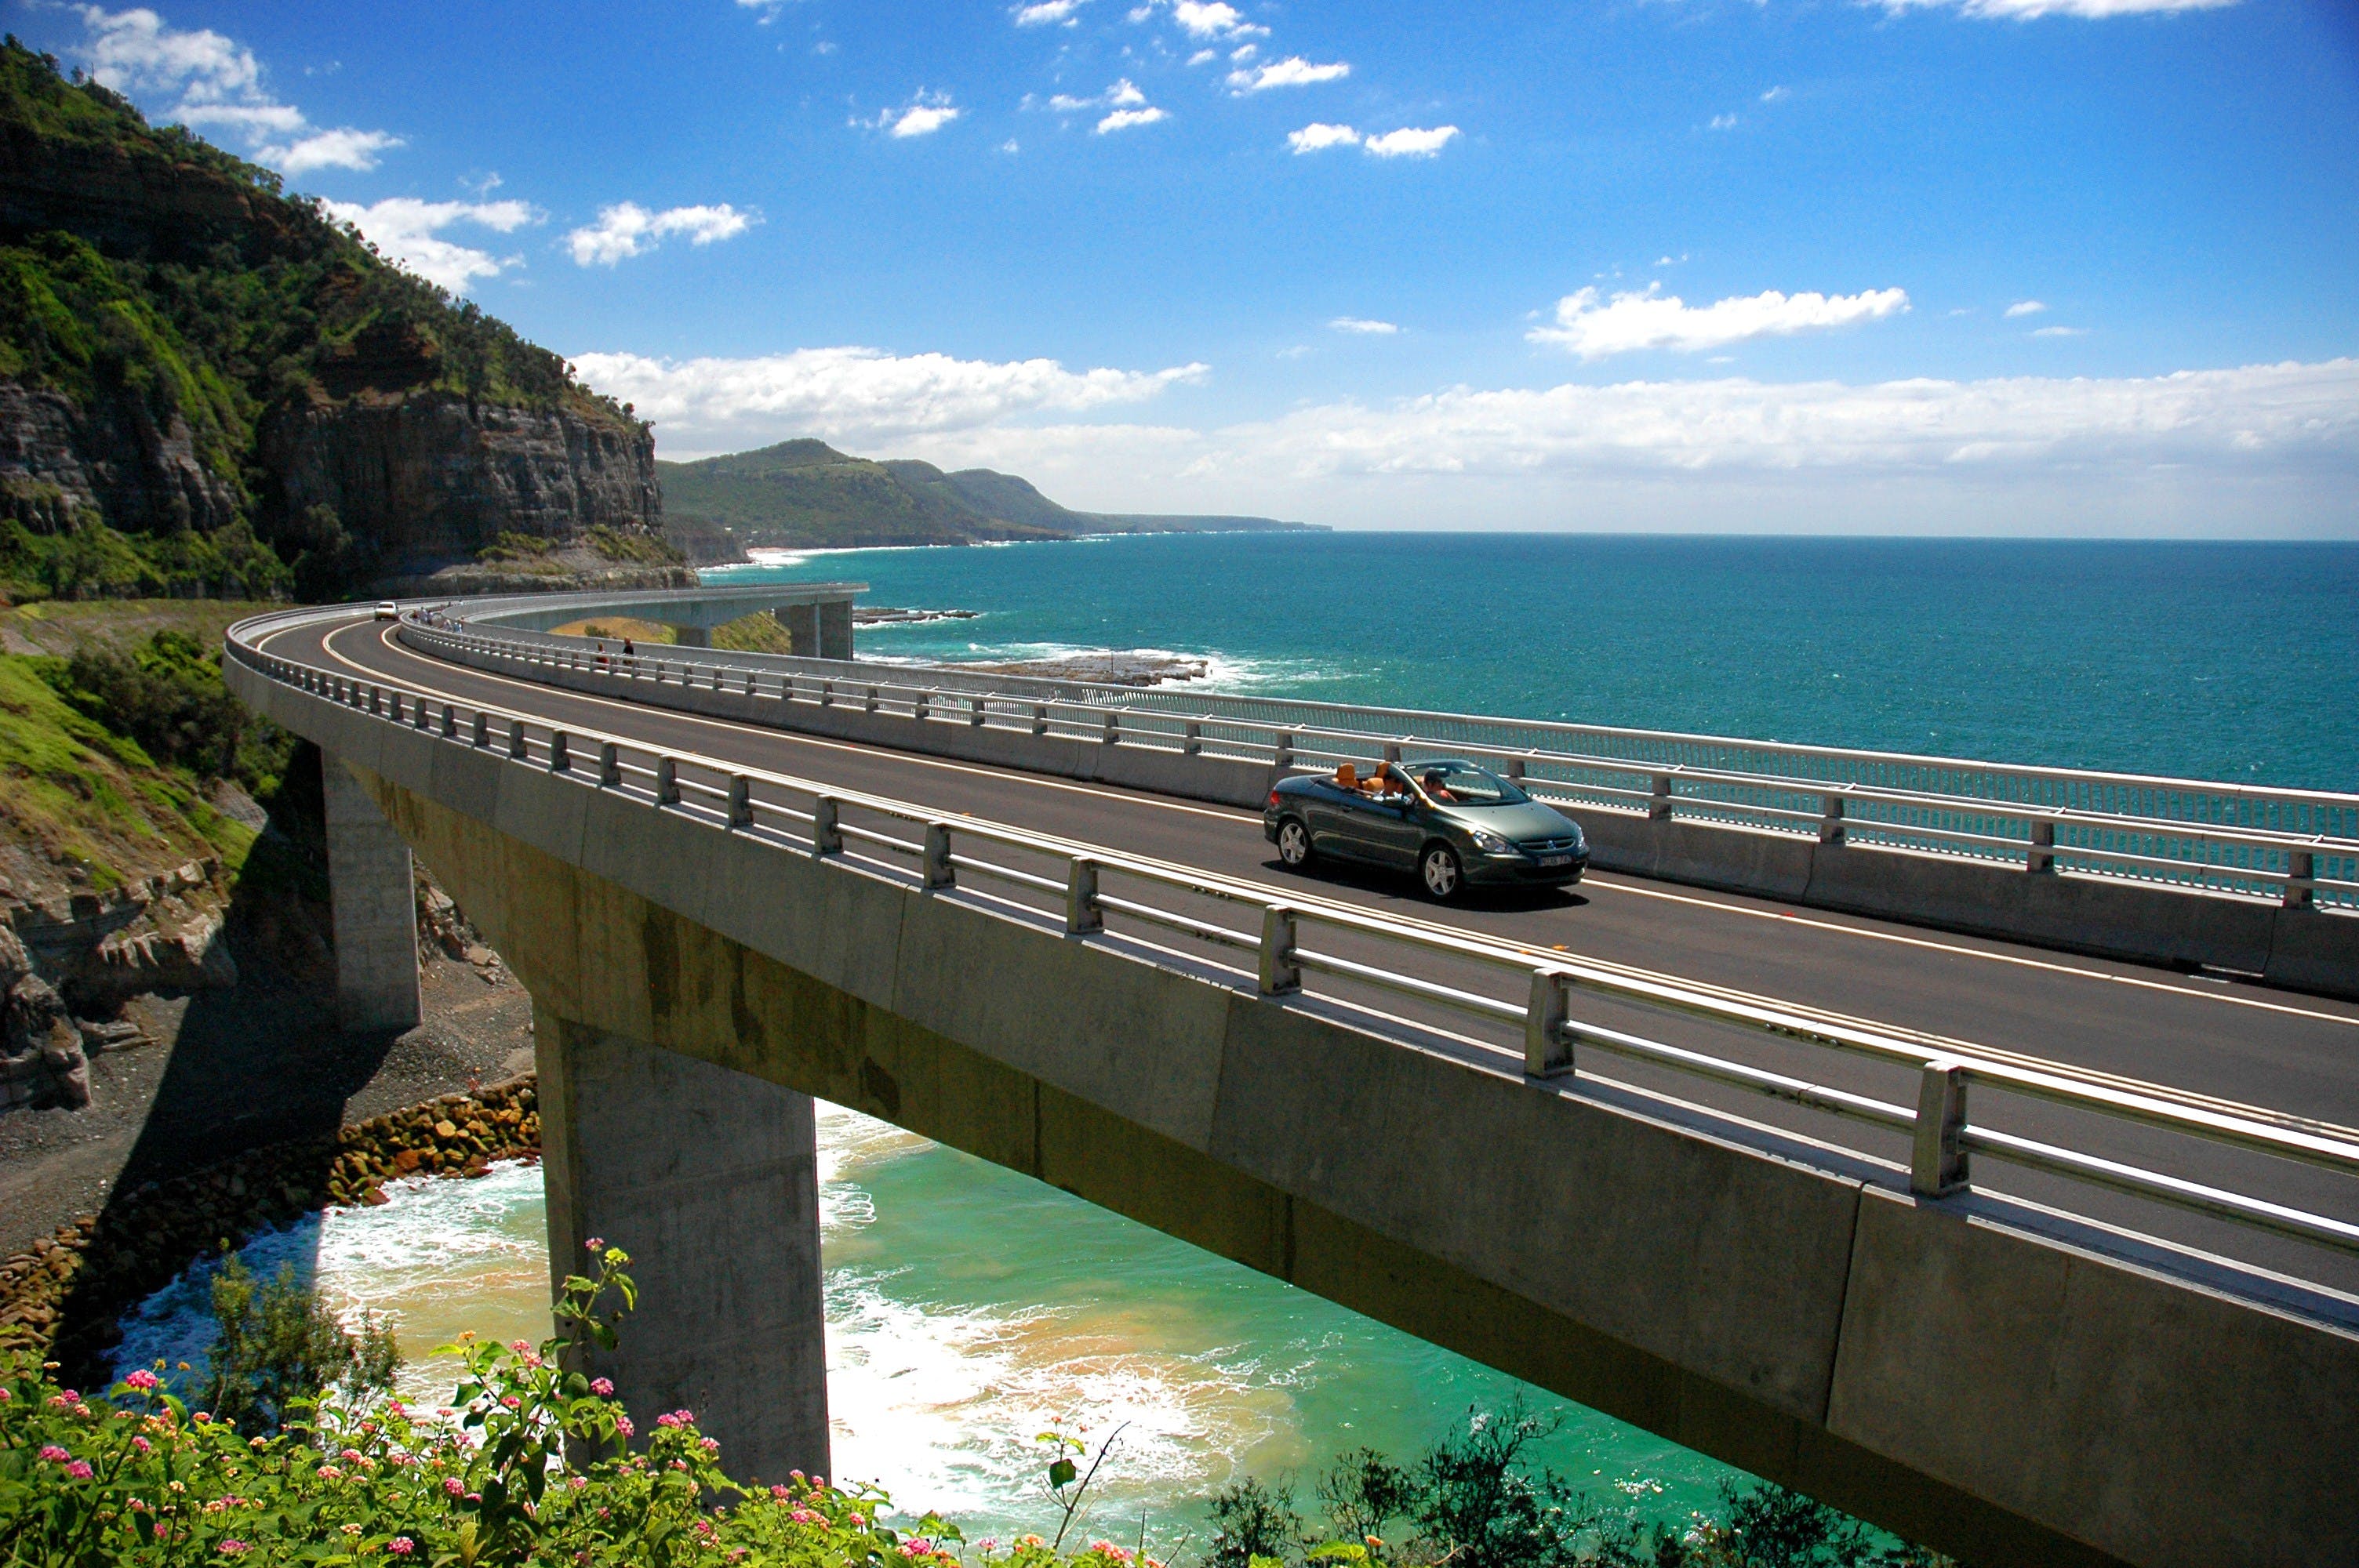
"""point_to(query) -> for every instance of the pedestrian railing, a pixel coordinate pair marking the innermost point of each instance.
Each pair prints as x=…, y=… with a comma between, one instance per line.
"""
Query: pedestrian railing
x=2297, y=847
x=1491, y=999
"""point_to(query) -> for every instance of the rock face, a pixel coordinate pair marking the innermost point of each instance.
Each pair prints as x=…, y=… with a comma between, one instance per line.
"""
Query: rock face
x=430, y=479
x=58, y=462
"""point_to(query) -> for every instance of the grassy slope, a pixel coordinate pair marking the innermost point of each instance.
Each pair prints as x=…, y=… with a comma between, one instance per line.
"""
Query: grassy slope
x=75, y=793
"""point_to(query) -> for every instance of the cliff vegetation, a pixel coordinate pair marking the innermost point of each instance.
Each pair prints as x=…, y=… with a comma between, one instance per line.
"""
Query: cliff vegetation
x=209, y=387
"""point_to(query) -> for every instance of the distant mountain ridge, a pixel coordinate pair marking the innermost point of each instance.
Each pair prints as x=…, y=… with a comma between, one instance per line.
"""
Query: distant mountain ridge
x=805, y=494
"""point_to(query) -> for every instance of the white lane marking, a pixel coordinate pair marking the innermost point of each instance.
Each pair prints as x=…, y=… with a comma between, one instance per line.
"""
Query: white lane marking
x=384, y=639
x=2048, y=964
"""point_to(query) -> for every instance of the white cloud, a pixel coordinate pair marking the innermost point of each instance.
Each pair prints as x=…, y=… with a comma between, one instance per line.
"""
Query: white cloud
x=2029, y=10
x=628, y=229
x=1362, y=326
x=1723, y=122
x=2263, y=449
x=2024, y=308
x=1651, y=319
x=921, y=116
x=1776, y=94
x=1242, y=53
x=1292, y=71
x=1124, y=119
x=208, y=82
x=1317, y=136
x=1214, y=20
x=1046, y=12
x=411, y=232
x=855, y=394
x=2061, y=332
x=1203, y=57
x=1409, y=142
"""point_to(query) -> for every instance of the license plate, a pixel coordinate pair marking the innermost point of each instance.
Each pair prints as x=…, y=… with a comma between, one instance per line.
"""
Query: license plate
x=1555, y=860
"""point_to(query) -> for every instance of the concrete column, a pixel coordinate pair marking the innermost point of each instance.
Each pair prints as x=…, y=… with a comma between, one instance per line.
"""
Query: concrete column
x=709, y=1179
x=801, y=622
x=835, y=629
x=375, y=909
x=692, y=636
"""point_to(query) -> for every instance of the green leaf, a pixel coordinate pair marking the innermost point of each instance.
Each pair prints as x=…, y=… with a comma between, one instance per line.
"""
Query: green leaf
x=1061, y=1473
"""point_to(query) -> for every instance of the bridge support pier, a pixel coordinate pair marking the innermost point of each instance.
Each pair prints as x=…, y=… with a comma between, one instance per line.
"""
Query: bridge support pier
x=692, y=636
x=375, y=909
x=817, y=630
x=709, y=1179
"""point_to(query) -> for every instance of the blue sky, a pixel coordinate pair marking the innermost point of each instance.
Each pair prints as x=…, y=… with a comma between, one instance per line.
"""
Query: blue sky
x=1963, y=266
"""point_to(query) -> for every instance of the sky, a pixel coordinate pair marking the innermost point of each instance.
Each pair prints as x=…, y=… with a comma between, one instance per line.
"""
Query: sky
x=1886, y=266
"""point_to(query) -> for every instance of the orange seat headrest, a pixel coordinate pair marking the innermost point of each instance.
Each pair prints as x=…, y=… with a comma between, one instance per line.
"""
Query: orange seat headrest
x=1347, y=776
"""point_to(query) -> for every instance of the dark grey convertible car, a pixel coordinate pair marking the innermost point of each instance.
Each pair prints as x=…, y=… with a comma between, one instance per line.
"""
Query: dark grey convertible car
x=1455, y=824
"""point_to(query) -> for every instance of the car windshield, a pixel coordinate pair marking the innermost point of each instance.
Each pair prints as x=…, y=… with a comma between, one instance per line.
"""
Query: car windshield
x=1448, y=782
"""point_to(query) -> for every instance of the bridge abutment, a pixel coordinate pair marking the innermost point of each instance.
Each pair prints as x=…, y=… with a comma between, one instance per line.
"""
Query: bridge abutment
x=709, y=1179
x=374, y=908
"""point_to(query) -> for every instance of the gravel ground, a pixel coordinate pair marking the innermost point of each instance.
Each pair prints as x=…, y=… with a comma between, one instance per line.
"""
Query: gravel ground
x=258, y=1064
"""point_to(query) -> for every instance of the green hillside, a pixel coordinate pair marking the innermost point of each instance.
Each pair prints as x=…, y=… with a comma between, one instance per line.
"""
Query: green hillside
x=169, y=320
x=806, y=494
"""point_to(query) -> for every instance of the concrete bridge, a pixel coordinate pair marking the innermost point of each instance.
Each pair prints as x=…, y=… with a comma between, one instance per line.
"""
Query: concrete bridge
x=1738, y=1204
x=817, y=615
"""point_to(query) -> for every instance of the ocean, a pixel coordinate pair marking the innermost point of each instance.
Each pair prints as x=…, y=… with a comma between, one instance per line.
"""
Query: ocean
x=969, y=1306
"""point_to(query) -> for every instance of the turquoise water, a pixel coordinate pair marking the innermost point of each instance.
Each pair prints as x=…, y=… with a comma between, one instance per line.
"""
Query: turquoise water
x=2236, y=662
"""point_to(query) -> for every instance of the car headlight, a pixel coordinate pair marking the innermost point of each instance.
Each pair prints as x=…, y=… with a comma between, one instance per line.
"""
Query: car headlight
x=1489, y=843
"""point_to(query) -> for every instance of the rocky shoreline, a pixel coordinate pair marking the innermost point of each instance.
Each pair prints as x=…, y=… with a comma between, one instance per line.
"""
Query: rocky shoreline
x=64, y=1294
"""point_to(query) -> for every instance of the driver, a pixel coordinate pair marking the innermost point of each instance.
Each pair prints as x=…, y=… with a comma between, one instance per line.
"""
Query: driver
x=1435, y=789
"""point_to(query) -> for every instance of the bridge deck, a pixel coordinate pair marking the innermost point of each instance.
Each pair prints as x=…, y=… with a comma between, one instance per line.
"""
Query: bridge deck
x=2206, y=1035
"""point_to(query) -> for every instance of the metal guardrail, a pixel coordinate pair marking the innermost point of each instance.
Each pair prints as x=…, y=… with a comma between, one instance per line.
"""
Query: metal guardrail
x=2300, y=849
x=1522, y=1012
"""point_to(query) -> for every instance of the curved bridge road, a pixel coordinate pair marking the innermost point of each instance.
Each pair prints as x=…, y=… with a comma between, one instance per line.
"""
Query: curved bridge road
x=2212, y=1039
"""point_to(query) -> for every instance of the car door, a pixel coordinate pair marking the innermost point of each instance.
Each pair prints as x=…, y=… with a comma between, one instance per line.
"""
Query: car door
x=1392, y=826
x=1326, y=812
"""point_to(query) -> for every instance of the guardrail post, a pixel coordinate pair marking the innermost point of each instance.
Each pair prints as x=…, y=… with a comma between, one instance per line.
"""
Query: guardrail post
x=1515, y=768
x=741, y=801
x=1280, y=976
x=872, y=700
x=827, y=693
x=1040, y=718
x=2300, y=893
x=827, y=829
x=975, y=717
x=1658, y=798
x=667, y=780
x=1830, y=819
x=924, y=707
x=935, y=866
x=1548, y=1049
x=751, y=690
x=450, y=722
x=1937, y=1161
x=2041, y=855
x=1393, y=754
x=1111, y=735
x=609, y=766
x=1191, y=739
x=560, y=757
x=482, y=728
x=420, y=716
x=393, y=708
x=1082, y=915
x=515, y=739
x=1282, y=752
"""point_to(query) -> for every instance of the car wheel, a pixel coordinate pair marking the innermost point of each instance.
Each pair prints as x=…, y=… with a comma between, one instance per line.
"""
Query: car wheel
x=1438, y=867
x=1293, y=844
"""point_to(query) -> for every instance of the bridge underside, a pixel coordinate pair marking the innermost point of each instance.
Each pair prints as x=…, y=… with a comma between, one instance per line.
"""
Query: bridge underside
x=1987, y=1392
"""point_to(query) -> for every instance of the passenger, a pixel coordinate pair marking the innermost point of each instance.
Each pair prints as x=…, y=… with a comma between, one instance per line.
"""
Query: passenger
x=628, y=652
x=1435, y=789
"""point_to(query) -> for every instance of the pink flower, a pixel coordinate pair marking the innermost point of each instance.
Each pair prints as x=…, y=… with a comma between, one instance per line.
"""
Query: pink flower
x=352, y=1455
x=5, y=1396
x=455, y=1486
x=622, y=1427
x=781, y=1493
x=520, y=1345
x=231, y=1548
x=160, y=1529
x=55, y=1455
x=601, y=1387
x=512, y=1401
x=596, y=1244
x=712, y=1446
x=79, y=1470
x=140, y=1378
x=401, y=1546
x=142, y=1444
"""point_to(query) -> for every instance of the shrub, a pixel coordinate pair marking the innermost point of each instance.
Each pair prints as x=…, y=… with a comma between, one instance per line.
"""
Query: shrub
x=279, y=1349
x=168, y=697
